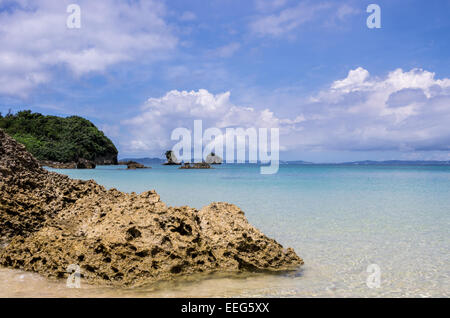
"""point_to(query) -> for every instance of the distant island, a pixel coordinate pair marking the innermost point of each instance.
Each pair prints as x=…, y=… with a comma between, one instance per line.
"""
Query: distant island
x=57, y=139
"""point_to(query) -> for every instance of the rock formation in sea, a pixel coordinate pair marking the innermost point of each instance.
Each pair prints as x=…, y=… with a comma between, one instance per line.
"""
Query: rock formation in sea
x=171, y=158
x=132, y=165
x=195, y=165
x=213, y=159
x=49, y=221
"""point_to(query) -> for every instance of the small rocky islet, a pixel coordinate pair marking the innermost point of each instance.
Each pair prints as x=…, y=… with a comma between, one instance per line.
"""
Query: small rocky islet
x=196, y=165
x=49, y=221
x=133, y=165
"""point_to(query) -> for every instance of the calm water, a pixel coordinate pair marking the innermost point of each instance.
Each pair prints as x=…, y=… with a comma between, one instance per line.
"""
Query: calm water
x=339, y=219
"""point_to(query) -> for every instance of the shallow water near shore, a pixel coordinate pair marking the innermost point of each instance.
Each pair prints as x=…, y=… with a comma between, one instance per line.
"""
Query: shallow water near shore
x=339, y=219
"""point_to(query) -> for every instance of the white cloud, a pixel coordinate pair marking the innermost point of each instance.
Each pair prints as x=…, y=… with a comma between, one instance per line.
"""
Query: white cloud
x=355, y=79
x=225, y=51
x=35, y=39
x=346, y=10
x=286, y=20
x=405, y=111
x=110, y=130
x=267, y=5
x=188, y=16
x=152, y=128
x=290, y=19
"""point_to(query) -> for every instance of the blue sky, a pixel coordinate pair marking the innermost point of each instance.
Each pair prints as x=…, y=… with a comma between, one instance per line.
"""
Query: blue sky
x=337, y=90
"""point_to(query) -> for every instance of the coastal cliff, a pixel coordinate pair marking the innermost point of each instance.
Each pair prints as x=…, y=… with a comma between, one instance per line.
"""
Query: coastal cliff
x=49, y=221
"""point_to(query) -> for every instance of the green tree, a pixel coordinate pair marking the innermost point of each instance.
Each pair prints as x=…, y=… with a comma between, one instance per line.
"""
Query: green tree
x=56, y=138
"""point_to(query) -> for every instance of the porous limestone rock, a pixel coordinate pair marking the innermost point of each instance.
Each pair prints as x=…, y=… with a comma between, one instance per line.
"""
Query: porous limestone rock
x=50, y=222
x=29, y=195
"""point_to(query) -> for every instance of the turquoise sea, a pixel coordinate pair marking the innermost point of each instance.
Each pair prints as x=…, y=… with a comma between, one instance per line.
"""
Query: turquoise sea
x=339, y=219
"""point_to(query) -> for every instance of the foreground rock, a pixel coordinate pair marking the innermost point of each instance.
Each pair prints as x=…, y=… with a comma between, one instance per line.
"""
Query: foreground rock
x=51, y=222
x=30, y=195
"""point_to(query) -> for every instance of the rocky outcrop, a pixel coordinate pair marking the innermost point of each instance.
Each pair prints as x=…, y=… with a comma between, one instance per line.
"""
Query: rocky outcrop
x=171, y=159
x=30, y=195
x=85, y=164
x=213, y=159
x=196, y=165
x=50, y=222
x=105, y=160
x=132, y=165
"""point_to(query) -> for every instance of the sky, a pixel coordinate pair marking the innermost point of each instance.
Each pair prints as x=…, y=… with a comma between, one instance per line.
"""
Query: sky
x=336, y=89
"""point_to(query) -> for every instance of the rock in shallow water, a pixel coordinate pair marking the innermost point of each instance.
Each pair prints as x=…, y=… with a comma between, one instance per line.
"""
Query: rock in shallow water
x=117, y=238
x=135, y=165
x=196, y=165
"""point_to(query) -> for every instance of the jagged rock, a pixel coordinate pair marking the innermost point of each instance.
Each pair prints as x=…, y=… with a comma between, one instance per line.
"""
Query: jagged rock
x=50, y=222
x=213, y=159
x=29, y=195
x=171, y=159
x=196, y=165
